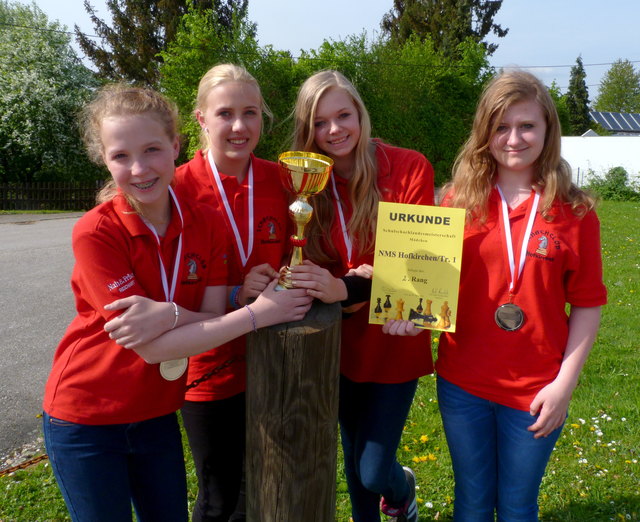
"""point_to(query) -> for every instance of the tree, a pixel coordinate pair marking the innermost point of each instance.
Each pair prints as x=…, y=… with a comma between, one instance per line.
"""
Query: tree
x=560, y=102
x=201, y=42
x=578, y=100
x=446, y=22
x=141, y=30
x=42, y=86
x=620, y=89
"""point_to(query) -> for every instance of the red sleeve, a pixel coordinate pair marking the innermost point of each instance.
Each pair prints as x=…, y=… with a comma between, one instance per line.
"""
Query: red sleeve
x=103, y=271
x=584, y=285
x=416, y=185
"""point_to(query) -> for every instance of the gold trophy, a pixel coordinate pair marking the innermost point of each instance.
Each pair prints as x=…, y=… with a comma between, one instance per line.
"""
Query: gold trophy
x=303, y=174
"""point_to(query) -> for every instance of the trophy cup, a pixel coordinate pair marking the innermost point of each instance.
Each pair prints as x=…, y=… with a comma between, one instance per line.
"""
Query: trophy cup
x=303, y=174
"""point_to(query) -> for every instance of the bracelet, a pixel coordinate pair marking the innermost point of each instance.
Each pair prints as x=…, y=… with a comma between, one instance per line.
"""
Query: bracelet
x=176, y=311
x=234, y=297
x=253, y=318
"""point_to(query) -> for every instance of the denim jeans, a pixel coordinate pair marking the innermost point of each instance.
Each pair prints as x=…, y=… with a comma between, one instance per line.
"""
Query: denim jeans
x=372, y=417
x=101, y=470
x=497, y=464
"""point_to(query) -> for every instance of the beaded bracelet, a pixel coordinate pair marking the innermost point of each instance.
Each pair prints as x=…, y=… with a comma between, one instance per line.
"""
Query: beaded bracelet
x=234, y=297
x=253, y=318
x=177, y=315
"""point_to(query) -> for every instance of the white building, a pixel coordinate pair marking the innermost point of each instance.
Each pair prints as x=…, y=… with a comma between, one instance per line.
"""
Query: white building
x=598, y=154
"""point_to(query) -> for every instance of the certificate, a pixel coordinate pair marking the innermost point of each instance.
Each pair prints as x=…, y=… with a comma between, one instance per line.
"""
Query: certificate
x=417, y=261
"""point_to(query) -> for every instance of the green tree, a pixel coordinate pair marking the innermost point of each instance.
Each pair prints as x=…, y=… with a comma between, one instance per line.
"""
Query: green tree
x=578, y=100
x=141, y=30
x=447, y=22
x=200, y=43
x=619, y=89
x=42, y=85
x=560, y=102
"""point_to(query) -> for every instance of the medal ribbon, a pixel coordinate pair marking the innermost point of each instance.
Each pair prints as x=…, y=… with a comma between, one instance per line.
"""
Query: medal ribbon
x=343, y=225
x=506, y=225
x=244, y=257
x=169, y=293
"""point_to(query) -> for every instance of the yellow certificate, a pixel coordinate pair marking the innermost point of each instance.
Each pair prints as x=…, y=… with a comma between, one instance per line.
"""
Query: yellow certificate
x=417, y=265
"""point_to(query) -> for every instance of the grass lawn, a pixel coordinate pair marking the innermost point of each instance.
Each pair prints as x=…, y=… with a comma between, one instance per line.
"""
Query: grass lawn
x=594, y=473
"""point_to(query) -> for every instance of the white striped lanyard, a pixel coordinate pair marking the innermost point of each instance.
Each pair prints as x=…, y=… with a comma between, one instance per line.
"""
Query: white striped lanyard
x=216, y=176
x=343, y=225
x=525, y=237
x=169, y=293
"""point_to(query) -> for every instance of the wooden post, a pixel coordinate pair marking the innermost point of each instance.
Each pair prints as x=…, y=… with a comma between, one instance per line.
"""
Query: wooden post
x=292, y=411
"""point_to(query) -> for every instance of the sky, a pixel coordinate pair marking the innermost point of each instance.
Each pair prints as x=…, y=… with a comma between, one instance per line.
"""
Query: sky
x=546, y=36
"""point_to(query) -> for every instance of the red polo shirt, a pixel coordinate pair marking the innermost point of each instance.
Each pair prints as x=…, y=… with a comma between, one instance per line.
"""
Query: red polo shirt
x=195, y=180
x=93, y=380
x=563, y=265
x=368, y=355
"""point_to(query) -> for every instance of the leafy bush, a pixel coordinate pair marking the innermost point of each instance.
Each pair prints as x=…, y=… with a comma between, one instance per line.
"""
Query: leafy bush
x=614, y=186
x=416, y=97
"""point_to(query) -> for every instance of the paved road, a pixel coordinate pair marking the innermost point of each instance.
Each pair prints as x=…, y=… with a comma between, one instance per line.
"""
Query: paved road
x=36, y=305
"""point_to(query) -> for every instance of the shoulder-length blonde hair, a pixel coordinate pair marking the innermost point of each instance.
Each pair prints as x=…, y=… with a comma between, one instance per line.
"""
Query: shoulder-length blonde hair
x=218, y=74
x=123, y=100
x=364, y=194
x=475, y=168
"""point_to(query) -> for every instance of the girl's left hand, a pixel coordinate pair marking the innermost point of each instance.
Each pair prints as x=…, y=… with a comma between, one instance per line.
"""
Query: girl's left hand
x=402, y=328
x=318, y=282
x=142, y=321
x=552, y=403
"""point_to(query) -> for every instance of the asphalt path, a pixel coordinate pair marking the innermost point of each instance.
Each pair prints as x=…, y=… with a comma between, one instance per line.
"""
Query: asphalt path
x=36, y=306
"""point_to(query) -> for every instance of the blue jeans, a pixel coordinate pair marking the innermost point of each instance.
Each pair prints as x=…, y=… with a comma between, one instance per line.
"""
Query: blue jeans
x=102, y=469
x=372, y=417
x=497, y=464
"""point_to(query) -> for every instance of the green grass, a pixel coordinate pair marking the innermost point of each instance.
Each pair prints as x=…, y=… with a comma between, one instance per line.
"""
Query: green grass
x=594, y=473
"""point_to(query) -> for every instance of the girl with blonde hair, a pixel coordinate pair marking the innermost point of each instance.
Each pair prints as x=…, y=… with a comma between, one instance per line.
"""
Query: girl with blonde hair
x=531, y=246
x=117, y=380
x=379, y=374
x=247, y=193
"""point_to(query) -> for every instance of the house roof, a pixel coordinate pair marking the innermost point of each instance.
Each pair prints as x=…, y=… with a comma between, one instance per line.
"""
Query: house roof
x=620, y=122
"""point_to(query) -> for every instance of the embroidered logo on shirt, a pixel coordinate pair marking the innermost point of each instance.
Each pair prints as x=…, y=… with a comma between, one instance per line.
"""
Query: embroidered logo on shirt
x=547, y=242
x=122, y=284
x=195, y=264
x=269, y=230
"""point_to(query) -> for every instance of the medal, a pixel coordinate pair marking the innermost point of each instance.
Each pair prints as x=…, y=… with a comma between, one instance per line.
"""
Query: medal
x=170, y=370
x=244, y=254
x=509, y=316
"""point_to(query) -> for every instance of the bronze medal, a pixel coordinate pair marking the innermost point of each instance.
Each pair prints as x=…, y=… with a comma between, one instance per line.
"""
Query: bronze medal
x=509, y=317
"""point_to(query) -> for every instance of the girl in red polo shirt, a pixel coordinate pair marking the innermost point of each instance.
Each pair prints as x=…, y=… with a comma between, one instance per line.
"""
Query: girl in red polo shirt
x=110, y=426
x=379, y=374
x=532, y=245
x=246, y=190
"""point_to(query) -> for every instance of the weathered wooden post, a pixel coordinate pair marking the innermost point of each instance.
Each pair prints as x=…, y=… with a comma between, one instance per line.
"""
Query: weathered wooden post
x=292, y=411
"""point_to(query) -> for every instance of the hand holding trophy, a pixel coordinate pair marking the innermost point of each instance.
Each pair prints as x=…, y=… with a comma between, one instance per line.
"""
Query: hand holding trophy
x=303, y=174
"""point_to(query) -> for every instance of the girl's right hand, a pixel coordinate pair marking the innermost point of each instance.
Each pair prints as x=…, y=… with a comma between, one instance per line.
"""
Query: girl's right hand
x=256, y=281
x=274, y=307
x=401, y=328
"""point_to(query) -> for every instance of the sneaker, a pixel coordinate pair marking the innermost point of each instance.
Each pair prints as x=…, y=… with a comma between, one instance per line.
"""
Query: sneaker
x=409, y=513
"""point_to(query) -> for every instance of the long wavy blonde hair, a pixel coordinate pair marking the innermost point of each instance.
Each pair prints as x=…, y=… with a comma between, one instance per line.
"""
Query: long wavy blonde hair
x=475, y=168
x=218, y=74
x=123, y=100
x=364, y=194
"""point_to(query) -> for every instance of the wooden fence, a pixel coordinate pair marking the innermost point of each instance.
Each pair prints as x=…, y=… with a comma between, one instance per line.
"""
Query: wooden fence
x=48, y=195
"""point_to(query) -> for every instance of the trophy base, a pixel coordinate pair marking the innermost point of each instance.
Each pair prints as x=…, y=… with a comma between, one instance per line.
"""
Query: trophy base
x=285, y=282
